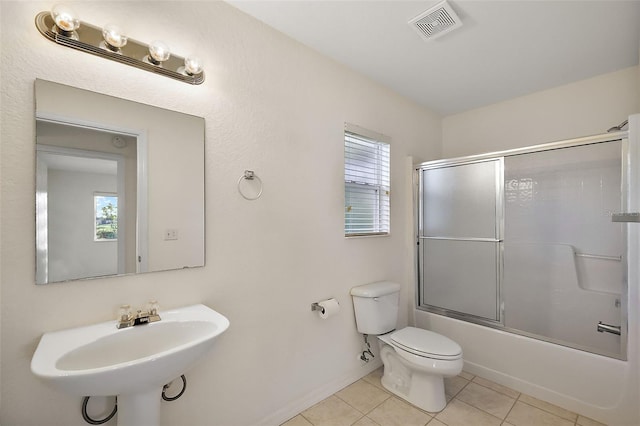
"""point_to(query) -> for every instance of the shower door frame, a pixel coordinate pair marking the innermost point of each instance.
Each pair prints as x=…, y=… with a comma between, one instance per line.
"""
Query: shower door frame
x=621, y=136
x=498, y=234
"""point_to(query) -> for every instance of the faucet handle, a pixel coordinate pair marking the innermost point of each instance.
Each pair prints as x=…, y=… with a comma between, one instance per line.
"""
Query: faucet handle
x=124, y=313
x=153, y=307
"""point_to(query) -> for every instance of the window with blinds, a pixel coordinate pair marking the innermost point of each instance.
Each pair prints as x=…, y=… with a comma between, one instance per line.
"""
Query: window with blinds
x=366, y=184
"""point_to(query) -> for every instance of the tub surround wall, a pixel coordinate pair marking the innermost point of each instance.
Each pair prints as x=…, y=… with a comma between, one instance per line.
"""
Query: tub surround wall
x=598, y=387
x=271, y=105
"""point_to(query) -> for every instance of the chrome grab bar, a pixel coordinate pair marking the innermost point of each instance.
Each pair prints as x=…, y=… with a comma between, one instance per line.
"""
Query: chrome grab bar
x=626, y=217
x=613, y=329
x=598, y=256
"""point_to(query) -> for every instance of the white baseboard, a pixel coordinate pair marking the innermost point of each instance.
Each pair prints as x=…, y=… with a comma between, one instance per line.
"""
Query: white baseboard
x=317, y=395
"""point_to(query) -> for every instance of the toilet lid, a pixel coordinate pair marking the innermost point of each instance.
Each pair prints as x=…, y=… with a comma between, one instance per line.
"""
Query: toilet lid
x=426, y=343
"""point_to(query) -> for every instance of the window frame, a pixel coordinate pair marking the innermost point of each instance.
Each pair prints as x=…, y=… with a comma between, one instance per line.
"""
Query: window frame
x=380, y=200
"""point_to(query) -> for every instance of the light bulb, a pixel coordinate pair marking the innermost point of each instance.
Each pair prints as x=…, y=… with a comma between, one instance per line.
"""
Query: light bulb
x=114, y=36
x=193, y=65
x=65, y=18
x=159, y=52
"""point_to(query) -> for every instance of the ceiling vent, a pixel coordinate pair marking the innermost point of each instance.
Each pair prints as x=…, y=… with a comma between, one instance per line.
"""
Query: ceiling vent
x=436, y=21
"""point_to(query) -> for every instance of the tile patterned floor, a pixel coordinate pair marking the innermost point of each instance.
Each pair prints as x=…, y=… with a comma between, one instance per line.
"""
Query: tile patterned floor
x=471, y=401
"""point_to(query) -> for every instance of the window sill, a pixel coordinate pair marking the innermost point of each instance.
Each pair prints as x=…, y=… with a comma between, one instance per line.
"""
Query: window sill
x=378, y=234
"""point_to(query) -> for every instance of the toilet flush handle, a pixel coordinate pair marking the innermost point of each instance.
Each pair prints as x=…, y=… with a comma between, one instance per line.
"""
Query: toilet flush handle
x=376, y=299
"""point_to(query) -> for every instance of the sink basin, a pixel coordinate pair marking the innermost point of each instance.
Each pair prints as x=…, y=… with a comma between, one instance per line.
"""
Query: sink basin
x=101, y=359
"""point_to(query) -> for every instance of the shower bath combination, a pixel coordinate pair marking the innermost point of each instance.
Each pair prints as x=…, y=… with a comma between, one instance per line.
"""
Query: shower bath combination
x=524, y=241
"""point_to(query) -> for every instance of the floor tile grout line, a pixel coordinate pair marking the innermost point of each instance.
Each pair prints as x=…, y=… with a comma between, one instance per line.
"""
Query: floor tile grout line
x=434, y=417
x=495, y=390
x=305, y=418
x=477, y=408
x=485, y=411
x=365, y=414
x=511, y=409
x=549, y=412
x=491, y=389
x=357, y=420
x=373, y=421
x=575, y=422
x=459, y=390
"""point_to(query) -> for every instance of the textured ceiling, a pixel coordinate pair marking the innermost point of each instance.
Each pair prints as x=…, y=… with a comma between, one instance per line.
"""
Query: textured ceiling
x=504, y=49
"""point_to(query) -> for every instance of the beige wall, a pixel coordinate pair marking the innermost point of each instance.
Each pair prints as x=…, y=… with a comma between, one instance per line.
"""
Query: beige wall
x=270, y=105
x=582, y=108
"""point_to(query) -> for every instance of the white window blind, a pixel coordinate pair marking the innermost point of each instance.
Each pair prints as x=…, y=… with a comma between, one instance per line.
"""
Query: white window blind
x=366, y=185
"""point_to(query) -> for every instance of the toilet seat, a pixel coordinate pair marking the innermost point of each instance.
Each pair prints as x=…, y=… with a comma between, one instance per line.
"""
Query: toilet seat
x=424, y=343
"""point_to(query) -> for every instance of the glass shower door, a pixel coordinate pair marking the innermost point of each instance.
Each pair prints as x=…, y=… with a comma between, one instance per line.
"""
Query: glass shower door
x=459, y=238
x=563, y=256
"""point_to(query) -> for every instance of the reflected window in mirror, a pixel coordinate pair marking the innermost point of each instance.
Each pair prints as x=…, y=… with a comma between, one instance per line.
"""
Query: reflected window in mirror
x=106, y=217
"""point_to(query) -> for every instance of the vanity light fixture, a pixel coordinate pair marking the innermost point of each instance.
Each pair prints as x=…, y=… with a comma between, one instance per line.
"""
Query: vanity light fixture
x=114, y=38
x=192, y=65
x=65, y=19
x=62, y=26
x=159, y=52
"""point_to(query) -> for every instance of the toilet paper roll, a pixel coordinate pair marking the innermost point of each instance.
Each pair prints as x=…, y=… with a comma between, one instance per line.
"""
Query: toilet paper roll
x=330, y=307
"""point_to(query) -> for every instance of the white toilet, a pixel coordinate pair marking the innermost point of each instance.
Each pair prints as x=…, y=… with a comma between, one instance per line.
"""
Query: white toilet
x=416, y=361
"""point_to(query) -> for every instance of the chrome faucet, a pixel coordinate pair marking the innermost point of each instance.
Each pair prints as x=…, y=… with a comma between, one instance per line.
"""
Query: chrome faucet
x=141, y=316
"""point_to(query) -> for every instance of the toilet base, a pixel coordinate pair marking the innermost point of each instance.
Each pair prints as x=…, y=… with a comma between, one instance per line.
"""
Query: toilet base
x=424, y=390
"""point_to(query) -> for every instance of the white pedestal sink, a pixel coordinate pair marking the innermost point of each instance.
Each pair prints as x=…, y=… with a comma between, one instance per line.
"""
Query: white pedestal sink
x=133, y=363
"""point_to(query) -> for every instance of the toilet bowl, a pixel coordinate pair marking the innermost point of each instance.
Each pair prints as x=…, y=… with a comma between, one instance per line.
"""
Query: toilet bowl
x=416, y=361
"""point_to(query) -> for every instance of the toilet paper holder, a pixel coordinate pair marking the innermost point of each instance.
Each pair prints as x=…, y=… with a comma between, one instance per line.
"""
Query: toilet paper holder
x=326, y=308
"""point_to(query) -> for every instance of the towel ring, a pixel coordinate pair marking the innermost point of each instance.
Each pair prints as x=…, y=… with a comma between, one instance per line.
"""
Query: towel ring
x=249, y=175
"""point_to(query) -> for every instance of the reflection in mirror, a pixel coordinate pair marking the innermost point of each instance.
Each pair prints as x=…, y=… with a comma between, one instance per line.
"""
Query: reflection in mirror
x=119, y=186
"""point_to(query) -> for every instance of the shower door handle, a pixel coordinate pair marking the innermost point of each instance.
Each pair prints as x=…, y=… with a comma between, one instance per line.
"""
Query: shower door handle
x=626, y=217
x=613, y=329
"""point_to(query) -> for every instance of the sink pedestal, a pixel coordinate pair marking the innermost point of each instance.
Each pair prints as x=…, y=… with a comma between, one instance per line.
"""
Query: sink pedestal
x=140, y=408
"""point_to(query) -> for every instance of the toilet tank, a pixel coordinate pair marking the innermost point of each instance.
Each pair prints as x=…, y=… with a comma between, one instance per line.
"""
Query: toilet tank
x=376, y=307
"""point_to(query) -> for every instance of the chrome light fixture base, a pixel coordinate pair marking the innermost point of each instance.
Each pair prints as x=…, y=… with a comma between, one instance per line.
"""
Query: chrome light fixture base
x=89, y=39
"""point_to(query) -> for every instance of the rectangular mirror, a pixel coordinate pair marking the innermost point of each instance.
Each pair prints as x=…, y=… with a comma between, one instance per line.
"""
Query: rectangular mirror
x=119, y=186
